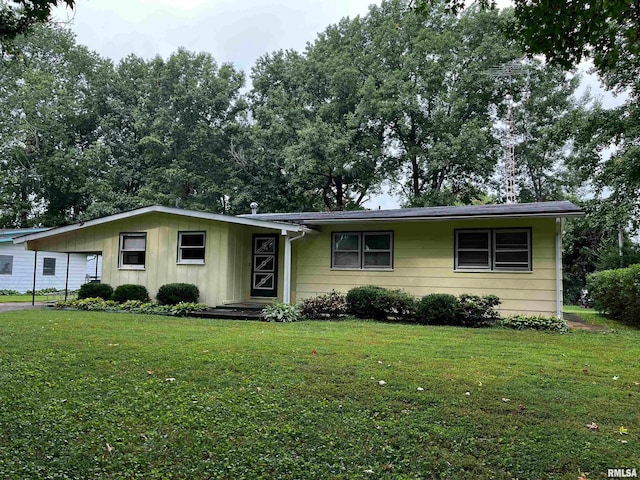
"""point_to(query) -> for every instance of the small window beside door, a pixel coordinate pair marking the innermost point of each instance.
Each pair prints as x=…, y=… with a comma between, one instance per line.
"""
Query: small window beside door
x=191, y=247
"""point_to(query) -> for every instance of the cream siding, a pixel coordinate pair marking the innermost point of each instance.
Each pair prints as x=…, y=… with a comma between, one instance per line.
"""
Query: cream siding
x=424, y=263
x=423, y=260
x=223, y=278
x=215, y=278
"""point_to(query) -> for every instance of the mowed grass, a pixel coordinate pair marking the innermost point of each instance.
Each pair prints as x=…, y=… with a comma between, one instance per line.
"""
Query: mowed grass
x=95, y=395
x=592, y=316
x=21, y=298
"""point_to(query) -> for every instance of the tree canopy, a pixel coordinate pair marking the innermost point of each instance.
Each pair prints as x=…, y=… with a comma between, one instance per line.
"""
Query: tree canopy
x=392, y=96
x=17, y=17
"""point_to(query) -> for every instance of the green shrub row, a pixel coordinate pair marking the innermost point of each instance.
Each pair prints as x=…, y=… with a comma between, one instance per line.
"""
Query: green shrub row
x=9, y=292
x=534, y=322
x=617, y=293
x=43, y=291
x=378, y=303
x=169, y=294
x=132, y=306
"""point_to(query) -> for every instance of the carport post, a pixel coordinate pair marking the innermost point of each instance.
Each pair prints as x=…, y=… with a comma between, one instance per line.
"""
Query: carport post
x=33, y=289
x=66, y=281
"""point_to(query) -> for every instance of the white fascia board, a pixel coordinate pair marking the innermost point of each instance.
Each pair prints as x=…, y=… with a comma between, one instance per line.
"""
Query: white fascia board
x=160, y=209
x=439, y=219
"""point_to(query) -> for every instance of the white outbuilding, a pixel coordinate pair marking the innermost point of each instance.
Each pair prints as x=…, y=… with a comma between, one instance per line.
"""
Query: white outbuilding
x=20, y=268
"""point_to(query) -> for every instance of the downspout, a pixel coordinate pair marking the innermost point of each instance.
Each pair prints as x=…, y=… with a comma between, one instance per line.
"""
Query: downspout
x=286, y=294
x=66, y=280
x=559, y=267
x=35, y=268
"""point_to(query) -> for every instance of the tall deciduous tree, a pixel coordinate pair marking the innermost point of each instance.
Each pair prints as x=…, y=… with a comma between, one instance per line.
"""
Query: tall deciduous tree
x=431, y=90
x=167, y=133
x=311, y=102
x=50, y=107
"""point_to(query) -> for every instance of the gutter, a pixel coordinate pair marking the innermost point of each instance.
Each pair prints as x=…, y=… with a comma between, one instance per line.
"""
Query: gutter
x=559, y=223
x=311, y=221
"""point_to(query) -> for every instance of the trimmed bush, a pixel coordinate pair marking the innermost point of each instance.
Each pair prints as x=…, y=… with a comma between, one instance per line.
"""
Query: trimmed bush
x=130, y=291
x=174, y=293
x=617, y=293
x=379, y=303
x=95, y=290
x=329, y=305
x=362, y=302
x=281, y=312
x=437, y=309
x=476, y=311
x=534, y=322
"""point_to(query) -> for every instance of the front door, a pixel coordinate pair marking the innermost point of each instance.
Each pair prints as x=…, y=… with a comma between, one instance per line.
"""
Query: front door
x=264, y=265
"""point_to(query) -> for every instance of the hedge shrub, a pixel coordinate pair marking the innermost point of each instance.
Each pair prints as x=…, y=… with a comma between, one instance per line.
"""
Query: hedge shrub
x=129, y=291
x=437, y=309
x=477, y=311
x=95, y=290
x=174, y=293
x=329, y=305
x=617, y=293
x=379, y=303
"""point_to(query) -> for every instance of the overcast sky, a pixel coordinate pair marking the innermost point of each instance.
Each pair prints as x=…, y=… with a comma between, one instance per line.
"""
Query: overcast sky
x=235, y=31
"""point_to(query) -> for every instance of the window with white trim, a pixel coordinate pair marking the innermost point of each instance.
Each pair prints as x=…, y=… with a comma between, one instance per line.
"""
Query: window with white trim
x=362, y=250
x=48, y=266
x=191, y=247
x=133, y=249
x=6, y=264
x=499, y=249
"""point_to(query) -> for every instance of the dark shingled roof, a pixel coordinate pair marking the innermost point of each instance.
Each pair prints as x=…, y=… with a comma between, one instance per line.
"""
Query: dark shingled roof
x=512, y=210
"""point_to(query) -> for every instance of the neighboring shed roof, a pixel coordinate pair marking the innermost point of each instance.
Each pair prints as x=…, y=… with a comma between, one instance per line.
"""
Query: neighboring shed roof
x=160, y=209
x=8, y=234
x=514, y=210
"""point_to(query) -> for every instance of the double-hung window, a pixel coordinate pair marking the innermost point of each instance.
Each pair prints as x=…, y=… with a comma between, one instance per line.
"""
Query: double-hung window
x=133, y=249
x=499, y=249
x=191, y=247
x=362, y=250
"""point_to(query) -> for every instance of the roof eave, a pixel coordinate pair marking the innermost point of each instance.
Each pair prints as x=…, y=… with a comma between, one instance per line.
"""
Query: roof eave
x=273, y=225
x=439, y=218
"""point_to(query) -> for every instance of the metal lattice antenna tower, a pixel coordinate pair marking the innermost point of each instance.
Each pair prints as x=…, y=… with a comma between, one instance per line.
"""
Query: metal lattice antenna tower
x=509, y=70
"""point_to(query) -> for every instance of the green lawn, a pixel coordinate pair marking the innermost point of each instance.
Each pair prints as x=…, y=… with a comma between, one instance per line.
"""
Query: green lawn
x=20, y=298
x=592, y=316
x=91, y=395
